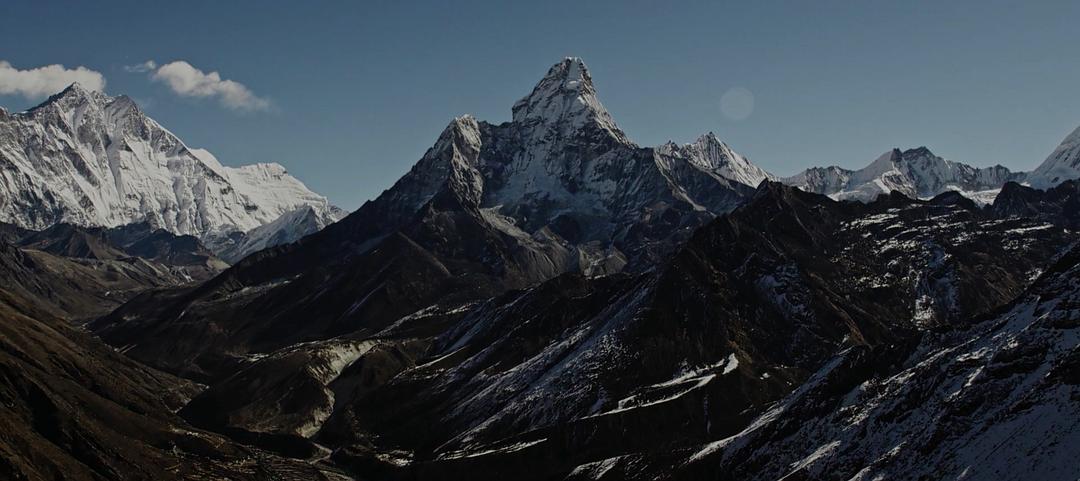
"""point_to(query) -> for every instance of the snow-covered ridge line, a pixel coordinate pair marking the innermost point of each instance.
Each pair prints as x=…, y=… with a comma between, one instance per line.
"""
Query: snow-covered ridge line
x=916, y=173
x=89, y=159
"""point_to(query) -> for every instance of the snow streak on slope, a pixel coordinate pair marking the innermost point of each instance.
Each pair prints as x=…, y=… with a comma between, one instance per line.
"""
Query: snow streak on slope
x=288, y=228
x=715, y=157
x=996, y=401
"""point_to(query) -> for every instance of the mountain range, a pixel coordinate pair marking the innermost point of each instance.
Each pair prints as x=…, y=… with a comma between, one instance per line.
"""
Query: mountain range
x=88, y=159
x=539, y=299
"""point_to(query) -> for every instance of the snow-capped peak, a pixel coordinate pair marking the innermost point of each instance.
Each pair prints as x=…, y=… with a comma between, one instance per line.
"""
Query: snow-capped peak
x=72, y=96
x=565, y=102
x=89, y=159
x=288, y=228
x=916, y=173
x=1061, y=165
x=710, y=154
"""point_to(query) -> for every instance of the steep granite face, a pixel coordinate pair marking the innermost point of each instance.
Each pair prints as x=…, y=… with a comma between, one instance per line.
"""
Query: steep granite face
x=88, y=159
x=916, y=173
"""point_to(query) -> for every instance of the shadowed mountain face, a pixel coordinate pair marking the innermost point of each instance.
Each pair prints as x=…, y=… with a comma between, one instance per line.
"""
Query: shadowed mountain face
x=1059, y=205
x=537, y=298
x=533, y=383
x=545, y=299
x=996, y=399
x=183, y=254
x=81, y=272
x=487, y=209
x=77, y=272
x=74, y=409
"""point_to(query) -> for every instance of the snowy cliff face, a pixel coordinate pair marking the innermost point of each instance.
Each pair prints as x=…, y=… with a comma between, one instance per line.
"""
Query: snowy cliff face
x=288, y=228
x=715, y=157
x=89, y=159
x=1063, y=164
x=562, y=163
x=487, y=208
x=916, y=173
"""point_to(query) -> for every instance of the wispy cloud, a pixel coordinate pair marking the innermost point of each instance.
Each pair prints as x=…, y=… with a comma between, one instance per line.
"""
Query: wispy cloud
x=147, y=66
x=46, y=80
x=187, y=81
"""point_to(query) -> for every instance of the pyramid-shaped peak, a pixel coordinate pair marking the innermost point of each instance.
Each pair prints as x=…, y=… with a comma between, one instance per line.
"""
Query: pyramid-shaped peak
x=77, y=91
x=572, y=71
x=565, y=100
x=709, y=138
x=921, y=151
x=74, y=94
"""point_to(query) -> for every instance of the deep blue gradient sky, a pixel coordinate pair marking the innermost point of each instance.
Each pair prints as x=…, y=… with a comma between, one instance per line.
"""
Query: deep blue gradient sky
x=361, y=89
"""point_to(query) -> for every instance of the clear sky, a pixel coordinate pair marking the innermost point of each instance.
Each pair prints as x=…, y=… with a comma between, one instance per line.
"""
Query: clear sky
x=356, y=91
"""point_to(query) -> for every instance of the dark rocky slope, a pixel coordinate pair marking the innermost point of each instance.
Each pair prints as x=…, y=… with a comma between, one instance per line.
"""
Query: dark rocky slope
x=74, y=409
x=488, y=208
x=997, y=398
x=535, y=382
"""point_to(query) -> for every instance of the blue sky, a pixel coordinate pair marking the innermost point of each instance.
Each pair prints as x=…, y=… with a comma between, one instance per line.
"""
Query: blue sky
x=358, y=90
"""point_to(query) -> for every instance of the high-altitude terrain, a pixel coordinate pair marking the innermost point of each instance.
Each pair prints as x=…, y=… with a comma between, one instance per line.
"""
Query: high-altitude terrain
x=87, y=159
x=546, y=299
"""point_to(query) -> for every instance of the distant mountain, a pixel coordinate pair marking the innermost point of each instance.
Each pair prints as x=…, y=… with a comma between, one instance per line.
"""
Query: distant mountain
x=88, y=159
x=183, y=254
x=916, y=173
x=75, y=272
x=1061, y=165
x=488, y=208
x=1059, y=205
x=290, y=227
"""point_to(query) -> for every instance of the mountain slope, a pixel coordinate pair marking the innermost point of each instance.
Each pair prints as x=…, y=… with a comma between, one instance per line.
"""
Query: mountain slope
x=996, y=400
x=289, y=228
x=1062, y=164
x=488, y=208
x=532, y=383
x=84, y=158
x=916, y=173
x=1059, y=205
x=74, y=409
x=78, y=288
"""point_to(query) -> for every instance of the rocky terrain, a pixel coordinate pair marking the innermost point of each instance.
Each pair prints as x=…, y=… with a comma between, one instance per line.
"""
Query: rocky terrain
x=996, y=399
x=488, y=208
x=579, y=369
x=78, y=273
x=545, y=299
x=75, y=409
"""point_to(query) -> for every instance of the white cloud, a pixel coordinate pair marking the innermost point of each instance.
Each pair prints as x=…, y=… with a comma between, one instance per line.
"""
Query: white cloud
x=47, y=80
x=144, y=67
x=185, y=80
